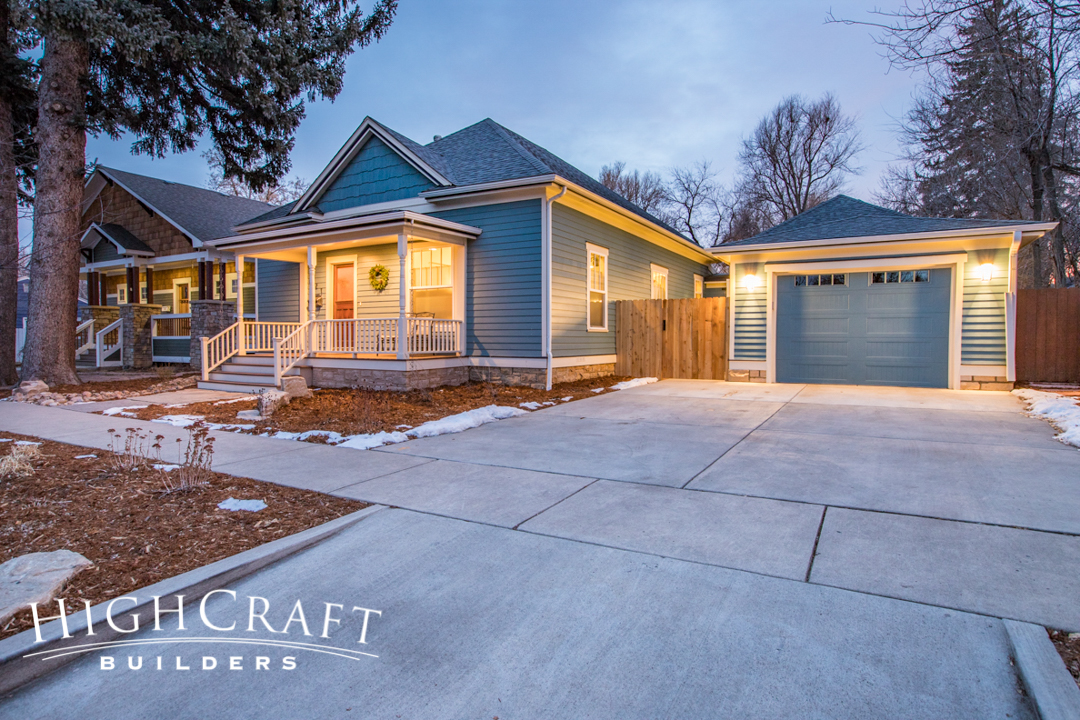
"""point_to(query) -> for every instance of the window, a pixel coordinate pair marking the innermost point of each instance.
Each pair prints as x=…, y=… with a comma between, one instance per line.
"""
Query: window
x=659, y=282
x=899, y=276
x=431, y=282
x=597, y=287
x=819, y=280
x=121, y=294
x=699, y=286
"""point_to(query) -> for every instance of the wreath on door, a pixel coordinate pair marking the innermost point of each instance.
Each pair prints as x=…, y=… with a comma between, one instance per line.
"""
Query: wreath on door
x=379, y=277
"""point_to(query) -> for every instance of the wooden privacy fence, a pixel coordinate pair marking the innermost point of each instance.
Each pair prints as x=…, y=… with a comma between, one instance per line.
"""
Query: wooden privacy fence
x=1048, y=335
x=671, y=338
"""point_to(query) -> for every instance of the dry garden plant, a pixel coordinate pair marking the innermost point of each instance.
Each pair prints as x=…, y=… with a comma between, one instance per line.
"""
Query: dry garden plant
x=194, y=462
x=19, y=462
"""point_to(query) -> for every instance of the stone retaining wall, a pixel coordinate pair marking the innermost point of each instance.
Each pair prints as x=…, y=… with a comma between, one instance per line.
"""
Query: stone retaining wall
x=758, y=376
x=985, y=382
x=388, y=379
x=582, y=372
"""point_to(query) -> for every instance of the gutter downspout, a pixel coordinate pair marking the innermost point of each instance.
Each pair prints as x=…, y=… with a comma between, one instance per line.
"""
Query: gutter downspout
x=548, y=204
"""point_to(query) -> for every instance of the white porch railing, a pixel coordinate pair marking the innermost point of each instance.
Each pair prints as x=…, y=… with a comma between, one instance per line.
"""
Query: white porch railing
x=170, y=337
x=290, y=350
x=84, y=337
x=259, y=336
x=369, y=336
x=434, y=336
x=219, y=348
x=109, y=341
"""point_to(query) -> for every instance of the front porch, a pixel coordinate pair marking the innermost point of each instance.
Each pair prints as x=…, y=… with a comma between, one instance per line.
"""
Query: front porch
x=370, y=296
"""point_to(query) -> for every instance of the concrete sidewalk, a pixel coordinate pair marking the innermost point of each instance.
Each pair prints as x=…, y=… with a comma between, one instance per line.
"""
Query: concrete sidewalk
x=482, y=622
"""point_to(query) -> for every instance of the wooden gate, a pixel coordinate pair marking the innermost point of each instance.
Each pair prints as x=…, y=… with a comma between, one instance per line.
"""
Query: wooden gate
x=671, y=338
x=1048, y=335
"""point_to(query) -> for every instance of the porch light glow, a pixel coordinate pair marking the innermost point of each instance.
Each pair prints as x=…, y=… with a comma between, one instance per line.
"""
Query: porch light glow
x=750, y=281
x=986, y=271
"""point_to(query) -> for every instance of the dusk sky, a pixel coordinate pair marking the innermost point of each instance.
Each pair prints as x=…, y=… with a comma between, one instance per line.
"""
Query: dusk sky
x=655, y=84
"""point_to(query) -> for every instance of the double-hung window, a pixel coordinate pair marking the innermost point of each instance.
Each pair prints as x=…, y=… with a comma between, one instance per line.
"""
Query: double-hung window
x=598, y=287
x=431, y=283
x=659, y=282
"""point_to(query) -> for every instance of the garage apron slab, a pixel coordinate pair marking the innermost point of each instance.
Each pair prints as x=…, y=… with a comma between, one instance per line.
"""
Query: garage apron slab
x=479, y=622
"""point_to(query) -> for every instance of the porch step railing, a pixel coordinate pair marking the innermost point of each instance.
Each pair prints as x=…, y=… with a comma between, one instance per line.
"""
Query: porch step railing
x=109, y=345
x=84, y=337
x=218, y=349
x=290, y=350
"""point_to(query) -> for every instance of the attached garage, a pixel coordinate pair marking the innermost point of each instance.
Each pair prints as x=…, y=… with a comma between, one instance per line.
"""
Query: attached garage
x=880, y=328
x=850, y=293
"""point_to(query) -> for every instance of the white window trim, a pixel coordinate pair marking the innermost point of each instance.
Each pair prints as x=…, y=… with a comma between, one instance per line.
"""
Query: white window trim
x=121, y=298
x=413, y=251
x=331, y=262
x=590, y=250
x=655, y=270
x=699, y=286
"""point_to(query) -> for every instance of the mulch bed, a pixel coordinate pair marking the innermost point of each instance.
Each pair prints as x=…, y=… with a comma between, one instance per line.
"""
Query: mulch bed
x=1068, y=646
x=120, y=385
x=133, y=533
x=356, y=411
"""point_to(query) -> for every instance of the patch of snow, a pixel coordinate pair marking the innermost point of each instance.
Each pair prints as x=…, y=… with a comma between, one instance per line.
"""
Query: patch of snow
x=176, y=405
x=530, y=405
x=1062, y=412
x=26, y=442
x=636, y=382
x=86, y=457
x=547, y=403
x=253, y=414
x=236, y=400
x=366, y=442
x=167, y=467
x=464, y=421
x=404, y=427
x=568, y=398
x=248, y=505
x=598, y=390
x=5, y=439
x=122, y=410
x=180, y=421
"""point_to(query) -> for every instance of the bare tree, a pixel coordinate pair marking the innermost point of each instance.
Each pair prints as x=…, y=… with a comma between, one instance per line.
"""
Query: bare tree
x=646, y=190
x=695, y=203
x=1000, y=114
x=274, y=193
x=797, y=157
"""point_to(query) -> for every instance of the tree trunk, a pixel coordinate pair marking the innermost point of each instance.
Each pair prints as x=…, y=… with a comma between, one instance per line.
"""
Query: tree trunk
x=49, y=354
x=1057, y=238
x=9, y=222
x=1037, y=190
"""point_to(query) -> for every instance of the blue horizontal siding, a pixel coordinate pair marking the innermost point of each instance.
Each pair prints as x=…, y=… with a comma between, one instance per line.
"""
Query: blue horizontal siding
x=279, y=291
x=503, y=304
x=376, y=174
x=171, y=347
x=629, y=278
x=983, y=335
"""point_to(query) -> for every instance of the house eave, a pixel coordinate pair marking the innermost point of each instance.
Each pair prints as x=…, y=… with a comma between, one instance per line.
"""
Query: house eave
x=196, y=242
x=1030, y=232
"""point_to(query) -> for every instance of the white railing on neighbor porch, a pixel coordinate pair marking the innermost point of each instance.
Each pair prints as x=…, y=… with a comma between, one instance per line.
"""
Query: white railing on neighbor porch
x=219, y=348
x=170, y=333
x=290, y=350
x=84, y=337
x=108, y=341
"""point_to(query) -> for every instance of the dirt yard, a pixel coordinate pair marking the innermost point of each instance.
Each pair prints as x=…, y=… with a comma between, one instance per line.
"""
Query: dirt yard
x=352, y=412
x=134, y=533
x=1068, y=646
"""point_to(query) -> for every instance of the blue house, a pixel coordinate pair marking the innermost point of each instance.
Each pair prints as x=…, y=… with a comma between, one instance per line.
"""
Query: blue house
x=478, y=256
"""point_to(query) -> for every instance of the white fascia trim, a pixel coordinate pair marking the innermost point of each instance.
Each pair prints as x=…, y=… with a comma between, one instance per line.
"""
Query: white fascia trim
x=456, y=192
x=582, y=360
x=368, y=127
x=1040, y=228
x=103, y=234
x=390, y=219
x=194, y=240
x=907, y=261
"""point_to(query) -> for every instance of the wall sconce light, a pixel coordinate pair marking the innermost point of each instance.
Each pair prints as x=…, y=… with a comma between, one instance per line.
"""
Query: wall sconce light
x=750, y=282
x=986, y=272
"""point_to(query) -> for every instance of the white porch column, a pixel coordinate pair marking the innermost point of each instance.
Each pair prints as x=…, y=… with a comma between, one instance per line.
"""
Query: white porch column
x=403, y=329
x=241, y=343
x=311, y=282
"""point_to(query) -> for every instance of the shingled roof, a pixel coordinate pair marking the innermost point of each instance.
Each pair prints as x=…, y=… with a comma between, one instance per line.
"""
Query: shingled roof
x=846, y=217
x=122, y=237
x=487, y=152
x=204, y=214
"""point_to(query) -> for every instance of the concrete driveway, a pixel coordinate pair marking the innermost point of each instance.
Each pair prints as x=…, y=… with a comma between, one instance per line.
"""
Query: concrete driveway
x=951, y=498
x=684, y=549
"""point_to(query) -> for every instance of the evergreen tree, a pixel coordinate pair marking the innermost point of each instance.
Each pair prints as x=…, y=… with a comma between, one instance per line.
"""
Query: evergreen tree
x=169, y=73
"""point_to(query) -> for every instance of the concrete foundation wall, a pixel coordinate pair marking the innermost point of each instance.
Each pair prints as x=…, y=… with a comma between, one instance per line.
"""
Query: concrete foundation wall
x=388, y=379
x=984, y=382
x=759, y=376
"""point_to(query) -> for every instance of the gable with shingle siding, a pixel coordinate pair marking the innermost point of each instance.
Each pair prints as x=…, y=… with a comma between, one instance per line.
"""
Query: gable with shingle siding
x=115, y=205
x=376, y=174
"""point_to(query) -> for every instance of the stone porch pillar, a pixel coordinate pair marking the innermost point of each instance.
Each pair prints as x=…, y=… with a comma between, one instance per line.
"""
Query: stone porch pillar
x=138, y=345
x=208, y=318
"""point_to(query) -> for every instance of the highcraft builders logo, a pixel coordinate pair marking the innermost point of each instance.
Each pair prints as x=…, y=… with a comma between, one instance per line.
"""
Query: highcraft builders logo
x=242, y=624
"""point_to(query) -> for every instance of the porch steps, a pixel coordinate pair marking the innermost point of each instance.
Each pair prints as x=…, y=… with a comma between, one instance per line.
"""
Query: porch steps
x=243, y=373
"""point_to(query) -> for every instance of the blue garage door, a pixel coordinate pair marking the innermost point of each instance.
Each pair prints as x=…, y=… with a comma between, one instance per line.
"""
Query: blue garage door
x=878, y=328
